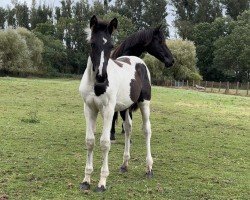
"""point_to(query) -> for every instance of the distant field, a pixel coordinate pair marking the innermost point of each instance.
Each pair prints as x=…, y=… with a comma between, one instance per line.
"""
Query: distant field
x=200, y=145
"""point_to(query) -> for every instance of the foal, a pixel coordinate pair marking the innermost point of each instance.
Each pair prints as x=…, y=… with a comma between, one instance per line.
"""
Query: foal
x=112, y=85
x=151, y=41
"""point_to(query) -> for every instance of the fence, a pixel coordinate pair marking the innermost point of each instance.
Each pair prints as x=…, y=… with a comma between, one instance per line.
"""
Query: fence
x=209, y=86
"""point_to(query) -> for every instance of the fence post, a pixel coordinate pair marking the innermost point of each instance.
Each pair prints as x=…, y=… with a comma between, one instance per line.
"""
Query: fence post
x=193, y=84
x=237, y=88
x=219, y=86
x=187, y=84
x=212, y=86
x=227, y=89
x=247, y=88
x=206, y=86
x=182, y=83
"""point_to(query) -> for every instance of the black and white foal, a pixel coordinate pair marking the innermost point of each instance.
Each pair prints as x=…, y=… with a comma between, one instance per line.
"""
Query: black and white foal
x=108, y=86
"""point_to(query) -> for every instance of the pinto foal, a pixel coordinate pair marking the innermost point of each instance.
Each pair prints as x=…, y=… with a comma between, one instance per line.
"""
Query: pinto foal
x=151, y=41
x=111, y=85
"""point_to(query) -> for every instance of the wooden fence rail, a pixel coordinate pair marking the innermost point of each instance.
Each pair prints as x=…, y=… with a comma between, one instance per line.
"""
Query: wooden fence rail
x=208, y=86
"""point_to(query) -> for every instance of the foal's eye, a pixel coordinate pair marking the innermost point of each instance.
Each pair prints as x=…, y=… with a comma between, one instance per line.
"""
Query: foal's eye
x=92, y=45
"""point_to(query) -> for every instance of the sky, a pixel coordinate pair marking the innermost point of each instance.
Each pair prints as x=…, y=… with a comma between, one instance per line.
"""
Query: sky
x=54, y=3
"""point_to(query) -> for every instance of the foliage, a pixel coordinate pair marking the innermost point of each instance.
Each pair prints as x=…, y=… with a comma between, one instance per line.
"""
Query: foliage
x=204, y=35
x=21, y=51
x=14, y=52
x=200, y=145
x=155, y=13
x=125, y=26
x=3, y=14
x=191, y=12
x=235, y=8
x=232, y=52
x=54, y=54
x=185, y=62
x=223, y=48
x=35, y=46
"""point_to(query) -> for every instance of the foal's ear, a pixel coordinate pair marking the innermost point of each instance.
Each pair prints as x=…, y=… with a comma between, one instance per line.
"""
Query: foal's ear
x=158, y=28
x=93, y=21
x=112, y=25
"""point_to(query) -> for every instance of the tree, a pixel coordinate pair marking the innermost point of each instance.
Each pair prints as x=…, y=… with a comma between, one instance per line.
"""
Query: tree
x=232, y=52
x=191, y=12
x=134, y=11
x=3, y=15
x=125, y=26
x=22, y=15
x=155, y=13
x=14, y=52
x=54, y=54
x=41, y=14
x=235, y=7
x=35, y=47
x=11, y=17
x=204, y=36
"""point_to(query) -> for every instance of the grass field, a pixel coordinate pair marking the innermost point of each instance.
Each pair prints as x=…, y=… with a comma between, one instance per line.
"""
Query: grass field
x=200, y=145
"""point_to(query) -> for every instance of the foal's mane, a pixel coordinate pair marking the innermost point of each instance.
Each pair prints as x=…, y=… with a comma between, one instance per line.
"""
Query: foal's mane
x=143, y=38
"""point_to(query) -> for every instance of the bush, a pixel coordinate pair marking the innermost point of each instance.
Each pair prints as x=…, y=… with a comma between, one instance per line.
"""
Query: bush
x=20, y=51
x=185, y=62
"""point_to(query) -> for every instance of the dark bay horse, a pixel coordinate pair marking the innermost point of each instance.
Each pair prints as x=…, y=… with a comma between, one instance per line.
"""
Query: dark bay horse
x=108, y=86
x=151, y=41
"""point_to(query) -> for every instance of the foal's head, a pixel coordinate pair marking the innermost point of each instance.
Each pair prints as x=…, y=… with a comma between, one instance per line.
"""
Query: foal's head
x=101, y=45
x=158, y=48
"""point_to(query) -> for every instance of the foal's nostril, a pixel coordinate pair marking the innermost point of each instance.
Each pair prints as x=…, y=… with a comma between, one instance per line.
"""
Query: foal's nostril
x=101, y=79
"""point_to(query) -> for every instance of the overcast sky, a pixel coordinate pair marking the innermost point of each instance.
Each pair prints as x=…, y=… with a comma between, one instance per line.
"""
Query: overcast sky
x=53, y=3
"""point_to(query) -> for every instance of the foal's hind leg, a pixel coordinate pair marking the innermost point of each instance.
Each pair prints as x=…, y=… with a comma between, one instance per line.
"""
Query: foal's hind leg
x=127, y=124
x=112, y=134
x=90, y=116
x=145, y=111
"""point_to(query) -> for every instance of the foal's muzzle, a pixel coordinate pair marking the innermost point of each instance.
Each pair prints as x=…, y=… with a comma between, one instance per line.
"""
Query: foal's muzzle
x=101, y=78
x=169, y=63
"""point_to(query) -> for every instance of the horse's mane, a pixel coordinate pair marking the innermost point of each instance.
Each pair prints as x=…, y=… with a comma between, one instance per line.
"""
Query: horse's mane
x=143, y=38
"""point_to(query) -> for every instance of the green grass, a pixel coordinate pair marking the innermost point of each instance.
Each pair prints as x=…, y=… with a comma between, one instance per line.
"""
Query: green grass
x=200, y=145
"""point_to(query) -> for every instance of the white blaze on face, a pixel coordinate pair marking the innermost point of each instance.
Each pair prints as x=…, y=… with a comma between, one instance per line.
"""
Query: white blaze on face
x=104, y=40
x=101, y=63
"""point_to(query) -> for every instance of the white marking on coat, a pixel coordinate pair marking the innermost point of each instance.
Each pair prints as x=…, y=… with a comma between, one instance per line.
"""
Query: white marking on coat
x=88, y=33
x=104, y=40
x=101, y=63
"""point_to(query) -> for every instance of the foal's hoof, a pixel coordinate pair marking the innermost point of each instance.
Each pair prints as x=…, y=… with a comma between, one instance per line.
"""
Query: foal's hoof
x=85, y=186
x=123, y=169
x=100, y=189
x=149, y=174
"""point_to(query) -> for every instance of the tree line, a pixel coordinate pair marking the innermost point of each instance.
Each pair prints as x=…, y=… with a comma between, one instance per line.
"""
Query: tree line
x=221, y=41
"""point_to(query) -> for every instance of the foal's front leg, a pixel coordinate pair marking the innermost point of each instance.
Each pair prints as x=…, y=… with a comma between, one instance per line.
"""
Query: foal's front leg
x=107, y=114
x=90, y=116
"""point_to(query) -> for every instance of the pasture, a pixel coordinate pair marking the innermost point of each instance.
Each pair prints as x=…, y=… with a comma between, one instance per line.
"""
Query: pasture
x=200, y=145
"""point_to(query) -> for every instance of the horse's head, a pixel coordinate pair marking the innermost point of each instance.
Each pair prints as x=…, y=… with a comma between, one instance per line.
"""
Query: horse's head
x=158, y=48
x=101, y=45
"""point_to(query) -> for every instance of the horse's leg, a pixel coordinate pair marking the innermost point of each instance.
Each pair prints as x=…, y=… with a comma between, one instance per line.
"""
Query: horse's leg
x=90, y=116
x=145, y=111
x=123, y=118
x=107, y=115
x=112, y=135
x=127, y=124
